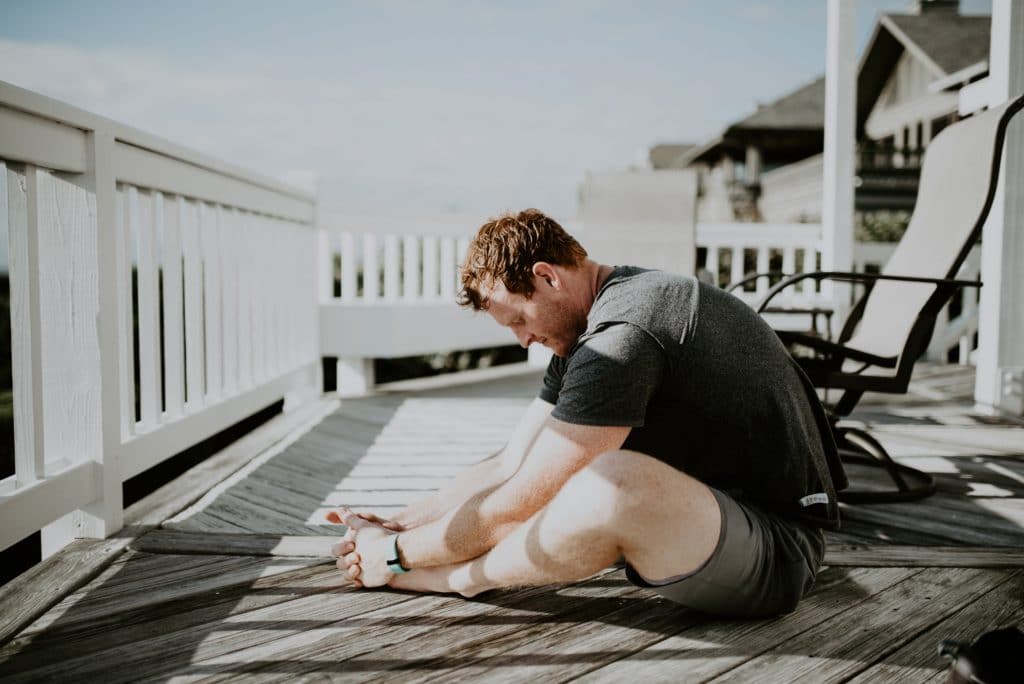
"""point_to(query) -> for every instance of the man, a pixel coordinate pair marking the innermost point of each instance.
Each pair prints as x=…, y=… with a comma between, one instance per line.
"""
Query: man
x=672, y=430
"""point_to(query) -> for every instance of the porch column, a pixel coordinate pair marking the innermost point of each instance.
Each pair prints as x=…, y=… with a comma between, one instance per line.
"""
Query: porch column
x=840, y=122
x=999, y=387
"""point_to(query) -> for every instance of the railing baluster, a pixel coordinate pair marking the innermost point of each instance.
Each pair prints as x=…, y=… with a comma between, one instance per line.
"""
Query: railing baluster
x=254, y=232
x=448, y=269
x=270, y=293
x=392, y=268
x=762, y=267
x=736, y=272
x=209, y=231
x=789, y=260
x=195, y=357
x=141, y=217
x=174, y=367
x=431, y=285
x=461, y=248
x=26, y=361
x=229, y=297
x=810, y=266
x=711, y=263
x=371, y=268
x=411, y=267
x=348, y=267
x=243, y=248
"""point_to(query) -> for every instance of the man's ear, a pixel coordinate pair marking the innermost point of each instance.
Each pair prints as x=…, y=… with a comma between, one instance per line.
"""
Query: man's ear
x=547, y=273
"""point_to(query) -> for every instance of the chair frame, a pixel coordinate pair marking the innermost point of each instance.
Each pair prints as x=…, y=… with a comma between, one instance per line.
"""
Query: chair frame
x=855, y=444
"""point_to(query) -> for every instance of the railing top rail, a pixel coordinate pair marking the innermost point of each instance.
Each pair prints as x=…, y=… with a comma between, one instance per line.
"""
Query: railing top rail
x=757, y=233
x=19, y=99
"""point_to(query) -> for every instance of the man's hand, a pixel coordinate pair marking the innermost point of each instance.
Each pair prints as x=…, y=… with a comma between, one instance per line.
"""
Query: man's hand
x=363, y=551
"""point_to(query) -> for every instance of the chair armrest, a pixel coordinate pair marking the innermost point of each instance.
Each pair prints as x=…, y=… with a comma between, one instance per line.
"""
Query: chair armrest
x=852, y=277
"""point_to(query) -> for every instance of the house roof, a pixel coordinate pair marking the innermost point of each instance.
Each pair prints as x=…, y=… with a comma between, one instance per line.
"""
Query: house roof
x=800, y=112
x=801, y=108
x=664, y=156
x=950, y=40
x=946, y=42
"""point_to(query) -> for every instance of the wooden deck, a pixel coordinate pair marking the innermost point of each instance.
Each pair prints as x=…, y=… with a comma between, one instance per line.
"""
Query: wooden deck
x=237, y=585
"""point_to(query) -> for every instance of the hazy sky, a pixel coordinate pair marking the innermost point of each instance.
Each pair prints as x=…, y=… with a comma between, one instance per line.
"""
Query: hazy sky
x=436, y=105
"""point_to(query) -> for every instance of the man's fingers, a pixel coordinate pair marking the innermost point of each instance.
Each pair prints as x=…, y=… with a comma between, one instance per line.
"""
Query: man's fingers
x=341, y=548
x=350, y=519
x=352, y=572
x=387, y=524
x=346, y=516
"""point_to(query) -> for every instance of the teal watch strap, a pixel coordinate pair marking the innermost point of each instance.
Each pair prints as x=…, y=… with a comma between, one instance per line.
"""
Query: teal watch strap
x=393, y=561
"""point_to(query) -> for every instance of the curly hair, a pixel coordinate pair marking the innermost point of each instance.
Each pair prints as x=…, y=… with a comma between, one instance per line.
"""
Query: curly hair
x=505, y=250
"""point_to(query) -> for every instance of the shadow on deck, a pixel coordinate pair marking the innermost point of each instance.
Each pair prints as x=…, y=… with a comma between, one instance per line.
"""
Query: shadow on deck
x=238, y=583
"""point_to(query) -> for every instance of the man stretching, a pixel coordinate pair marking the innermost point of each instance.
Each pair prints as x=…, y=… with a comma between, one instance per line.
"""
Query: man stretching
x=672, y=430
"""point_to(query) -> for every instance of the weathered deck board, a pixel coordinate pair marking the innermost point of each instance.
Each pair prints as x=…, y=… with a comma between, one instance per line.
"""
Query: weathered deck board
x=428, y=441
x=919, y=661
x=238, y=584
x=713, y=647
x=178, y=644
x=884, y=623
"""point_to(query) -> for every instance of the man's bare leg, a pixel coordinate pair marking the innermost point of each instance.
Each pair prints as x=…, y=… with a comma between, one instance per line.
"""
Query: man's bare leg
x=623, y=504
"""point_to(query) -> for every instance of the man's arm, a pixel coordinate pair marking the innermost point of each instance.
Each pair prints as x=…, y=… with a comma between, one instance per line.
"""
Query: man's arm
x=559, y=451
x=482, y=476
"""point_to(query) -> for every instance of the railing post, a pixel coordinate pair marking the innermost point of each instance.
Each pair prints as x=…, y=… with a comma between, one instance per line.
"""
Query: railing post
x=999, y=386
x=105, y=515
x=840, y=124
x=355, y=376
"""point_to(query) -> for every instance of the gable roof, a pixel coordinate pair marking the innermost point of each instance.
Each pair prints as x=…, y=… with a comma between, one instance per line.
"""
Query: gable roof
x=946, y=42
x=663, y=156
x=801, y=111
x=801, y=108
x=950, y=40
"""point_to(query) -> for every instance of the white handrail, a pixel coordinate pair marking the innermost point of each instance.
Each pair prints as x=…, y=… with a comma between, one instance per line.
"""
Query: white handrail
x=158, y=295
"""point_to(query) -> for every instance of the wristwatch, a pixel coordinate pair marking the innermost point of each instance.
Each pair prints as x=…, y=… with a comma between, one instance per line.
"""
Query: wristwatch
x=393, y=561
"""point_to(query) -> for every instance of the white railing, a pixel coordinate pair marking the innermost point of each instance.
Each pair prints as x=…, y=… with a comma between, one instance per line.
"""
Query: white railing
x=389, y=295
x=736, y=249
x=157, y=297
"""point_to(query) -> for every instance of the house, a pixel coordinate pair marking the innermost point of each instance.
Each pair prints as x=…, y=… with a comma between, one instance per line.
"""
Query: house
x=731, y=164
x=768, y=166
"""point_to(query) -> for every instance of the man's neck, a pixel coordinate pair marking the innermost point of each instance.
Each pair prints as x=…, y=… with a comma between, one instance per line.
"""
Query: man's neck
x=595, y=276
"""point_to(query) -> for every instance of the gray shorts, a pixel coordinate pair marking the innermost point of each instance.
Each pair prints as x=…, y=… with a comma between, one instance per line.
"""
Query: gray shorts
x=762, y=566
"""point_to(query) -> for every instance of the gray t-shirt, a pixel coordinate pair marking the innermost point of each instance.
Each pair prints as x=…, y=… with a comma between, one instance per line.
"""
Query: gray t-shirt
x=706, y=386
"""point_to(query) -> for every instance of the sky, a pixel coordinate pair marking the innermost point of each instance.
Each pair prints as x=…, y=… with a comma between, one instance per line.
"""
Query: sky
x=433, y=106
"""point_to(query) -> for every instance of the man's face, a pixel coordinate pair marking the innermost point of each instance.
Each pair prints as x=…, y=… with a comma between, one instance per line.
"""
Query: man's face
x=546, y=316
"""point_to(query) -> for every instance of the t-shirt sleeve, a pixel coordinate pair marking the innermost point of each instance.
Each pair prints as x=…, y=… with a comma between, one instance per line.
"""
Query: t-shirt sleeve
x=552, y=385
x=610, y=378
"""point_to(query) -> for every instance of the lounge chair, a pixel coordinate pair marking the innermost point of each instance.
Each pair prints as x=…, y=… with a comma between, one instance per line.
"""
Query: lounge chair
x=890, y=326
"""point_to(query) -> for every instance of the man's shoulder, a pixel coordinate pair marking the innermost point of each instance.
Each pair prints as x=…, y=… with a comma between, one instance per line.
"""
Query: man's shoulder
x=660, y=303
